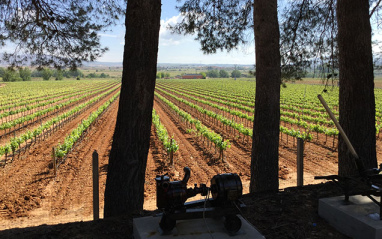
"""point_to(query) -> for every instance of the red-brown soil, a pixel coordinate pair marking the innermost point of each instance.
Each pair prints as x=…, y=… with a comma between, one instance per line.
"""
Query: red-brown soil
x=31, y=195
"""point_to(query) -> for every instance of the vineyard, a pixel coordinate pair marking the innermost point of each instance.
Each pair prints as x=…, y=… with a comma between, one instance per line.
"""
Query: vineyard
x=212, y=123
x=49, y=127
x=203, y=124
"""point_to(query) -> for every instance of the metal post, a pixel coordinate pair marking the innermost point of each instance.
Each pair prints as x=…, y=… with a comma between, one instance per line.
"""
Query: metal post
x=358, y=161
x=95, y=186
x=300, y=162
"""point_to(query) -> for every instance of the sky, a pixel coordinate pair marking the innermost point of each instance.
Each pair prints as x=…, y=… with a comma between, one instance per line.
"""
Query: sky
x=174, y=48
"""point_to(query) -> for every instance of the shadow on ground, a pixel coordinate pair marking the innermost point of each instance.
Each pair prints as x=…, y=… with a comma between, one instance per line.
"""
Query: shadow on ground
x=289, y=213
x=104, y=228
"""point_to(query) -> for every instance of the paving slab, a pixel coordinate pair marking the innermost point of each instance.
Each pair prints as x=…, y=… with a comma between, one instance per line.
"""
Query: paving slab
x=359, y=218
x=148, y=227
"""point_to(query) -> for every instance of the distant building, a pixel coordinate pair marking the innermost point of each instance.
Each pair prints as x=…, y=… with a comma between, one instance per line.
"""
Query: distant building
x=192, y=76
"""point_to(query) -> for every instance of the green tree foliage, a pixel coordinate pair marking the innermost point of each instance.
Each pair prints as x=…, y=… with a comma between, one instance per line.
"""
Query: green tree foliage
x=213, y=74
x=25, y=74
x=46, y=74
x=225, y=24
x=217, y=24
x=36, y=73
x=58, y=74
x=162, y=75
x=308, y=38
x=73, y=73
x=94, y=75
x=2, y=71
x=235, y=74
x=55, y=33
x=11, y=75
x=223, y=74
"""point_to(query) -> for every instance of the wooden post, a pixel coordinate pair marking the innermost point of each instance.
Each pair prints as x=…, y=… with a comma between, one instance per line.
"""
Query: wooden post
x=54, y=161
x=171, y=154
x=300, y=162
x=221, y=154
x=95, y=186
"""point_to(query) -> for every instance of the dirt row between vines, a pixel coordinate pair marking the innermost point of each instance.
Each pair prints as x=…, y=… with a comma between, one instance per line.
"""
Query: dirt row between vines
x=31, y=195
x=315, y=154
x=320, y=158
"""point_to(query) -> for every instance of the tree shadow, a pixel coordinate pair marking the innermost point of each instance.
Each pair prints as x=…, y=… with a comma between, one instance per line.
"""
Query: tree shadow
x=120, y=227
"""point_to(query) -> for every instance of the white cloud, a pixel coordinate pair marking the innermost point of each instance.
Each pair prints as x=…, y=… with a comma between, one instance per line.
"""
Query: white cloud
x=166, y=38
x=108, y=35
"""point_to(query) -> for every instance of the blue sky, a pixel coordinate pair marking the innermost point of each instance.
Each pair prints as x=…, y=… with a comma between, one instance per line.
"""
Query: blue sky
x=175, y=48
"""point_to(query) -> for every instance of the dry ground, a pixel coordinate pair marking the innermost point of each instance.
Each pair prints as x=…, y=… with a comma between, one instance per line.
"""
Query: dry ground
x=30, y=195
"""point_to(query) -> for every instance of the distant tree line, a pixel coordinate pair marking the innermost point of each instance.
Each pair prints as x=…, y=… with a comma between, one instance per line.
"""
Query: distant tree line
x=94, y=75
x=210, y=74
x=26, y=74
x=223, y=74
x=22, y=74
x=47, y=74
x=162, y=75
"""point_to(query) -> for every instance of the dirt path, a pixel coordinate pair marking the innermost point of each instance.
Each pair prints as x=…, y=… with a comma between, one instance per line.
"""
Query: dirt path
x=30, y=188
x=192, y=153
x=73, y=185
x=31, y=195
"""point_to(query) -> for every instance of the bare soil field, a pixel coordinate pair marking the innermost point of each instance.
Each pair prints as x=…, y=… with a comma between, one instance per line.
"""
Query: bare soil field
x=30, y=195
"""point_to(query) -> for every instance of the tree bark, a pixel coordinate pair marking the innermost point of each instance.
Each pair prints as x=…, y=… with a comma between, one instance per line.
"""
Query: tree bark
x=265, y=147
x=356, y=98
x=128, y=155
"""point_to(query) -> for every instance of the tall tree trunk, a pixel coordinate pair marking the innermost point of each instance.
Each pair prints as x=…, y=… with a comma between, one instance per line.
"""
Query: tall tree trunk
x=356, y=99
x=265, y=147
x=128, y=156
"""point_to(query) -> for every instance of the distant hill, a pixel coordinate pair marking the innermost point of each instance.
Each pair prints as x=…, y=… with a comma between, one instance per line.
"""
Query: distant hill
x=170, y=65
x=173, y=65
x=98, y=64
x=199, y=65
